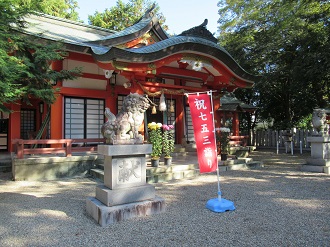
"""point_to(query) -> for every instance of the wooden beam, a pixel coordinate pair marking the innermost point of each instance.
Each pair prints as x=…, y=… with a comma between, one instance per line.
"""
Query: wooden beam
x=182, y=72
x=152, y=87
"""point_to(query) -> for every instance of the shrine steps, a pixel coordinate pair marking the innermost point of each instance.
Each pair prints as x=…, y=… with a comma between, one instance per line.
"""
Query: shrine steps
x=184, y=165
x=234, y=163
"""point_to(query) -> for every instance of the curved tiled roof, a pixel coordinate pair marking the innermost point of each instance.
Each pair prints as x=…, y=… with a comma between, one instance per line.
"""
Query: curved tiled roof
x=229, y=102
x=127, y=34
x=59, y=29
x=142, y=26
x=200, y=31
x=100, y=42
x=173, y=45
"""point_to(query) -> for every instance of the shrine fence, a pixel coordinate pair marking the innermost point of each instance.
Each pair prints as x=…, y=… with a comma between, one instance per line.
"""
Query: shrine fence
x=280, y=138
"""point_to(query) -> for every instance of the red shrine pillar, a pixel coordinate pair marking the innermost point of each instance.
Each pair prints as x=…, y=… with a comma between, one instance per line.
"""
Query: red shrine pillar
x=56, y=109
x=235, y=124
x=111, y=98
x=56, y=118
x=14, y=125
x=179, y=119
x=58, y=66
x=217, y=117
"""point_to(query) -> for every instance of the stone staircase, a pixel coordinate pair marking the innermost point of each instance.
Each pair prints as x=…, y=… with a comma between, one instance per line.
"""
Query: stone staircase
x=168, y=173
x=240, y=163
x=181, y=171
x=157, y=174
x=185, y=165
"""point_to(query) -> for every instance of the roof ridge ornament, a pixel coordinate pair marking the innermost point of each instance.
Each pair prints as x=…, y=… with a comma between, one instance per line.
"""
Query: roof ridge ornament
x=204, y=24
x=149, y=13
x=200, y=32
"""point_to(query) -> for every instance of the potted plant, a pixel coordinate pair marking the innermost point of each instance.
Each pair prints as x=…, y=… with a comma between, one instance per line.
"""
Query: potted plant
x=223, y=135
x=155, y=138
x=168, y=143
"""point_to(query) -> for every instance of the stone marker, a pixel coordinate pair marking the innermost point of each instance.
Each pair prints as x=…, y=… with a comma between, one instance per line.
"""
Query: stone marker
x=320, y=155
x=320, y=144
x=125, y=193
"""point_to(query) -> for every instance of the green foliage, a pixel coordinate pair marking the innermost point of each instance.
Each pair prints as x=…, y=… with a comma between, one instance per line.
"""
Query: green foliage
x=287, y=42
x=123, y=15
x=305, y=123
x=25, y=61
x=59, y=8
x=156, y=139
x=223, y=138
x=168, y=140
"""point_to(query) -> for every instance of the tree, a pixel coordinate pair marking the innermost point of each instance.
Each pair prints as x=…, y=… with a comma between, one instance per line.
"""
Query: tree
x=59, y=8
x=123, y=15
x=25, y=61
x=287, y=42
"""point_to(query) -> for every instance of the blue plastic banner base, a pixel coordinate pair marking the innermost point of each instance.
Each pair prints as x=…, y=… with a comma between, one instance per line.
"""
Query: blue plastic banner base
x=220, y=205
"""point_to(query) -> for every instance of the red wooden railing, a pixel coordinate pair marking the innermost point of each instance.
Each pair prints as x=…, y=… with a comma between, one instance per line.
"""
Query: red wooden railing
x=238, y=140
x=60, y=146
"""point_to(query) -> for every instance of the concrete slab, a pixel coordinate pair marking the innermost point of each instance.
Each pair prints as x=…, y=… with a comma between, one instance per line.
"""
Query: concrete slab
x=237, y=167
x=51, y=168
x=310, y=168
x=318, y=162
x=105, y=216
x=117, y=150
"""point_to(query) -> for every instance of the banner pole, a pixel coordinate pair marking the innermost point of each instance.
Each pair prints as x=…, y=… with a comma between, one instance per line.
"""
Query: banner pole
x=218, y=205
x=215, y=146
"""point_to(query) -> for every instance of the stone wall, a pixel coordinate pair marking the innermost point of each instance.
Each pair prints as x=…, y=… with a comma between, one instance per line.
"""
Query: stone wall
x=50, y=168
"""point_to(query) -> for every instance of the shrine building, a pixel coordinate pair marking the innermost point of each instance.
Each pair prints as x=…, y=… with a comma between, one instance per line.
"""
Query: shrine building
x=142, y=59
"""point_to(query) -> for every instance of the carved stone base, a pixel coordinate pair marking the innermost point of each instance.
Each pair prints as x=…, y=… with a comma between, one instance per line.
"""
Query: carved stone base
x=126, y=141
x=104, y=215
x=123, y=196
x=320, y=155
x=317, y=168
x=124, y=165
x=318, y=162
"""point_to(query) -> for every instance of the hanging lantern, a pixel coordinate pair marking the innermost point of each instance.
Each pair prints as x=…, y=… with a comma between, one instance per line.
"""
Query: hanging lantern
x=153, y=110
x=162, y=103
x=171, y=105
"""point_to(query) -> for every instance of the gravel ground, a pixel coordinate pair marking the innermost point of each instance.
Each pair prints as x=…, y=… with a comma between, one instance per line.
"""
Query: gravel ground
x=277, y=205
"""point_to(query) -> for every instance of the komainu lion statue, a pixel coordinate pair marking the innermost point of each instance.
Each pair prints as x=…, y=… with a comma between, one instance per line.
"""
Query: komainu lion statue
x=123, y=128
x=319, y=121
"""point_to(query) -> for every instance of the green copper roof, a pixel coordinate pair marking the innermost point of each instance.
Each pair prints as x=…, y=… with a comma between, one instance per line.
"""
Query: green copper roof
x=229, y=102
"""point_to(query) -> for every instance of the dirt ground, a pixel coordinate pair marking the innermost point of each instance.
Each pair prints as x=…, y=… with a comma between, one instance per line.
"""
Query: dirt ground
x=270, y=158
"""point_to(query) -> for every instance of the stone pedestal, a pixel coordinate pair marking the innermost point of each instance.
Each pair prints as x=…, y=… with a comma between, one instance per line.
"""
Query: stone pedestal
x=320, y=155
x=125, y=193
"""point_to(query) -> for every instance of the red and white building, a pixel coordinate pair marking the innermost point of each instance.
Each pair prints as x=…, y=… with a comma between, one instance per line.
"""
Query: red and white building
x=140, y=59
